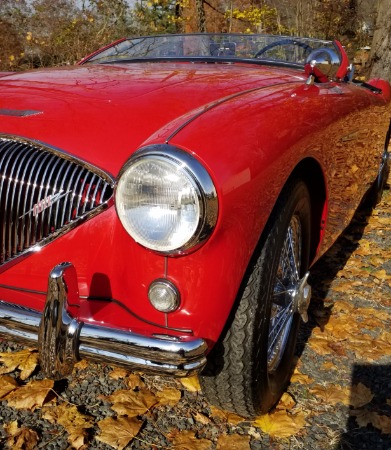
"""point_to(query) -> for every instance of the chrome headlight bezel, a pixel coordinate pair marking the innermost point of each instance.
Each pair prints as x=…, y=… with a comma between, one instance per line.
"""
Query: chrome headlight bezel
x=197, y=176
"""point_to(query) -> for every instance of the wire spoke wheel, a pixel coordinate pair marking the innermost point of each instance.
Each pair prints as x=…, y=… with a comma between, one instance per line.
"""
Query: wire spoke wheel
x=250, y=366
x=283, y=307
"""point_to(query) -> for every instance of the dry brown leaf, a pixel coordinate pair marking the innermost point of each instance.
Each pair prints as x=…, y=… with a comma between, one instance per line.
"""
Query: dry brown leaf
x=280, y=424
x=191, y=384
x=135, y=381
x=25, y=360
x=74, y=422
x=233, y=442
x=286, y=402
x=168, y=396
x=132, y=403
x=301, y=378
x=20, y=437
x=186, y=440
x=7, y=385
x=320, y=346
x=201, y=418
x=389, y=401
x=382, y=423
x=81, y=365
x=363, y=416
x=118, y=373
x=328, y=365
x=118, y=432
x=30, y=396
x=360, y=395
x=225, y=416
x=332, y=394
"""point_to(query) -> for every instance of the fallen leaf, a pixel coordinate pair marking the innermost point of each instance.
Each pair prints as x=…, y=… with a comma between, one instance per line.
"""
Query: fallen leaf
x=192, y=384
x=118, y=432
x=360, y=395
x=75, y=423
x=332, y=394
x=132, y=403
x=233, y=442
x=363, y=416
x=81, y=365
x=201, y=418
x=328, y=365
x=118, y=373
x=7, y=385
x=168, y=396
x=226, y=416
x=30, y=396
x=20, y=437
x=135, y=381
x=280, y=424
x=286, y=402
x=25, y=360
x=301, y=378
x=383, y=423
x=186, y=440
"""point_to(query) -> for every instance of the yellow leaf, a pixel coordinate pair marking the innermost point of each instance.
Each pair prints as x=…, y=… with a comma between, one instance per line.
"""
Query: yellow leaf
x=72, y=420
x=7, y=385
x=192, y=384
x=186, y=440
x=332, y=394
x=168, y=396
x=328, y=365
x=201, y=418
x=233, y=442
x=81, y=365
x=118, y=432
x=20, y=437
x=25, y=360
x=132, y=403
x=280, y=424
x=381, y=275
x=360, y=395
x=30, y=396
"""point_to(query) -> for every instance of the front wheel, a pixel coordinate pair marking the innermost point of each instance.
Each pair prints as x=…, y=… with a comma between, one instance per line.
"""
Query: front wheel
x=250, y=366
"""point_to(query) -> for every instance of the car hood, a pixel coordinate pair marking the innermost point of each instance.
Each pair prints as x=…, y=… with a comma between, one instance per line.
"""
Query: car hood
x=103, y=113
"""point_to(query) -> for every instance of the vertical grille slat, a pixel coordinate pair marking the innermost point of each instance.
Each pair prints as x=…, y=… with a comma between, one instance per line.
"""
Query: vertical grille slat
x=43, y=193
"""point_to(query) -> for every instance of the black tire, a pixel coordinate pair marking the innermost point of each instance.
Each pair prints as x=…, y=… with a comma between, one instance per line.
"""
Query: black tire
x=381, y=179
x=242, y=375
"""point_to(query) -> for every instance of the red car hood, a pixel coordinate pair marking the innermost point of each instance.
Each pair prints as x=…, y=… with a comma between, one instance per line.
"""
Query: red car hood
x=103, y=113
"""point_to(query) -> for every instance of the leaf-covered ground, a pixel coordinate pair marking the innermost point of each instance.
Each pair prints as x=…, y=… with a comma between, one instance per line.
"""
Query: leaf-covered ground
x=339, y=397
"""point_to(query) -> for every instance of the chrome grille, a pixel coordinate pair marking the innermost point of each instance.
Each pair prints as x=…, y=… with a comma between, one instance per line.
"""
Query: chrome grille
x=42, y=193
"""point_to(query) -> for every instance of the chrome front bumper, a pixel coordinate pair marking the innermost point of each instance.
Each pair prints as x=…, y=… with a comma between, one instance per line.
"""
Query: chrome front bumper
x=63, y=340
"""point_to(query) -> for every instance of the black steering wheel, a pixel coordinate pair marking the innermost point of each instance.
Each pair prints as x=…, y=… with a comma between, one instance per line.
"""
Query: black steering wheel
x=283, y=42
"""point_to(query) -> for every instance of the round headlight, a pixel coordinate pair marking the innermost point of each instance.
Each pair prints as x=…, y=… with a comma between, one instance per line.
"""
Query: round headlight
x=166, y=200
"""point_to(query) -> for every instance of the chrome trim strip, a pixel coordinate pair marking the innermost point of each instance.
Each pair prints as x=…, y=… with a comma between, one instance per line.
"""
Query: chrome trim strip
x=19, y=112
x=60, y=337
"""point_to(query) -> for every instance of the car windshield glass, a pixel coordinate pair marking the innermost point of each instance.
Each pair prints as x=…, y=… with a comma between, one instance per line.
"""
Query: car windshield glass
x=214, y=47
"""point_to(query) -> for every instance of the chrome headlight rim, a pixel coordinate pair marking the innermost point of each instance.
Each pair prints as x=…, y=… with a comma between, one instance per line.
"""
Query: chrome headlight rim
x=199, y=176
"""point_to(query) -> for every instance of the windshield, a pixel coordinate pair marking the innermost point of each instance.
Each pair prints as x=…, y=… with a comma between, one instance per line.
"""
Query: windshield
x=284, y=50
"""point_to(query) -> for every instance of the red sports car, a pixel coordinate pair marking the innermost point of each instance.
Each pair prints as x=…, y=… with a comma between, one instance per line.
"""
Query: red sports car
x=162, y=203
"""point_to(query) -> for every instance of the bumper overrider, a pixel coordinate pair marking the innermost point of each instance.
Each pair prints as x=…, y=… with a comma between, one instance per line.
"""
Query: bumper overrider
x=63, y=340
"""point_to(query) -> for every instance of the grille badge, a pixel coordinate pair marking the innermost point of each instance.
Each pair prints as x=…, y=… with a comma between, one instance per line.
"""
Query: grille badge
x=45, y=203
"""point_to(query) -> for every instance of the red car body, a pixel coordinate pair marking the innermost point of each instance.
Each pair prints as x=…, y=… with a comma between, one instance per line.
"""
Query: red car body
x=250, y=126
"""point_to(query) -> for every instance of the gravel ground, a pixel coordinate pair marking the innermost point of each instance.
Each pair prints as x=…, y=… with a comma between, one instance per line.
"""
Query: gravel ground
x=347, y=275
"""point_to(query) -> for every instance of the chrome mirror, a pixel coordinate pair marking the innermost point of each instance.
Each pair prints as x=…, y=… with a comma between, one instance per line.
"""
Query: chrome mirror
x=322, y=65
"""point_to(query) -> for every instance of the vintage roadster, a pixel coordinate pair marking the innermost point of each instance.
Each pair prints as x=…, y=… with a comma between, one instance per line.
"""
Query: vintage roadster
x=162, y=202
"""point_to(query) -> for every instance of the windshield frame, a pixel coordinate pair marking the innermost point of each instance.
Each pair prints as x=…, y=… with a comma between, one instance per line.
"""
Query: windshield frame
x=123, y=51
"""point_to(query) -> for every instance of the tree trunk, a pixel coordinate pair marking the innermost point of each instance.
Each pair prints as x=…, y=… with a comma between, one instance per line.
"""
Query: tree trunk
x=201, y=19
x=380, y=58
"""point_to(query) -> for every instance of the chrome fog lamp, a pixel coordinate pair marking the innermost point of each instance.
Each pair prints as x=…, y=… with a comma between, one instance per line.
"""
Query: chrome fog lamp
x=164, y=296
x=166, y=200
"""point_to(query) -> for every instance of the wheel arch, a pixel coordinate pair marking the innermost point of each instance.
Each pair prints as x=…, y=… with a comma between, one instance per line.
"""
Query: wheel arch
x=310, y=171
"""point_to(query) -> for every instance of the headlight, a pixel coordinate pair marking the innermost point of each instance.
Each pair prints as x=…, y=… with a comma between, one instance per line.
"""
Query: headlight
x=166, y=200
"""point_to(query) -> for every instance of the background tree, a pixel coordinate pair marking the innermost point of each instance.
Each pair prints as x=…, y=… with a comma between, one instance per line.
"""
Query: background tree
x=380, y=57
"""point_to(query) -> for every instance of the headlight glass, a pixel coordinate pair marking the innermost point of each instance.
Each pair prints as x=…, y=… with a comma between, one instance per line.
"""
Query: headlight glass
x=160, y=202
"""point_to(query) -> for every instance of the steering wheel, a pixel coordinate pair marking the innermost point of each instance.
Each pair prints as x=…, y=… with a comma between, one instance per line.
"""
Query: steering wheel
x=283, y=42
